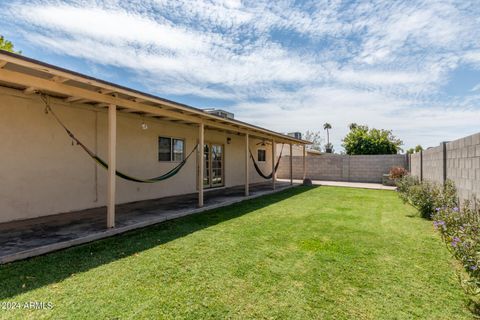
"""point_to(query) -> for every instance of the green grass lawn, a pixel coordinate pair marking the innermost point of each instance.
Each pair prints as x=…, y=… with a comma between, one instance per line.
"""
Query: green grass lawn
x=324, y=253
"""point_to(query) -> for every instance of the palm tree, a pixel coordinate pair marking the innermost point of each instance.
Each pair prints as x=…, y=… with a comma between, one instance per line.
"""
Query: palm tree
x=352, y=126
x=7, y=45
x=327, y=126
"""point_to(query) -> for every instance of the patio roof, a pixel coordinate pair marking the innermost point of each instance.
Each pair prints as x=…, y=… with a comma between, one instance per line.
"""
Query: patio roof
x=33, y=76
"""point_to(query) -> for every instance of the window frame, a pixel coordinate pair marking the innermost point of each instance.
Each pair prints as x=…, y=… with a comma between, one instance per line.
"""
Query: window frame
x=264, y=155
x=172, y=153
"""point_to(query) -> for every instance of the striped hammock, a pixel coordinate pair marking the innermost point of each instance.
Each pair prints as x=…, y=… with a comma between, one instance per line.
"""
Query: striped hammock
x=104, y=164
x=259, y=171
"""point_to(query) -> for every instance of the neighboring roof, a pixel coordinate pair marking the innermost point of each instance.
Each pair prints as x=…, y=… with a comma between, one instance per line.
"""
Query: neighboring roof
x=30, y=75
x=313, y=151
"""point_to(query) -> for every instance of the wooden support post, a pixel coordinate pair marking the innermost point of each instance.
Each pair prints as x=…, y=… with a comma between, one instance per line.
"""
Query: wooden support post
x=112, y=147
x=444, y=164
x=421, y=165
x=291, y=164
x=273, y=164
x=201, y=164
x=247, y=161
x=304, y=163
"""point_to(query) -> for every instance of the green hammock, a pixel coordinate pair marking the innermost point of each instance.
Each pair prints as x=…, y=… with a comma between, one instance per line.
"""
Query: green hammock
x=259, y=171
x=104, y=164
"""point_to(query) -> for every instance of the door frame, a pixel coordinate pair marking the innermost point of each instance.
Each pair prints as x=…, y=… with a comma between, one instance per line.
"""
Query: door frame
x=210, y=185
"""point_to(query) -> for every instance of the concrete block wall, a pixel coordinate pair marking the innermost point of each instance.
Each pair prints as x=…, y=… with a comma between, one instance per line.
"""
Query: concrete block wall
x=370, y=168
x=461, y=164
x=433, y=164
x=414, y=164
x=367, y=168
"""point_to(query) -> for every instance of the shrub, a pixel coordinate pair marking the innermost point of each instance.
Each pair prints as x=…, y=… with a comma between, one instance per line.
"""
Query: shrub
x=460, y=229
x=426, y=196
x=458, y=226
x=404, y=185
x=397, y=173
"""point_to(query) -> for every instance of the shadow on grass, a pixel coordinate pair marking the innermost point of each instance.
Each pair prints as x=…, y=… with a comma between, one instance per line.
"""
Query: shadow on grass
x=23, y=276
x=474, y=307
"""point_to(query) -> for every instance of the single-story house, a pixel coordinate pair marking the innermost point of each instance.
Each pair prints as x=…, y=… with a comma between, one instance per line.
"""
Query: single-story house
x=71, y=142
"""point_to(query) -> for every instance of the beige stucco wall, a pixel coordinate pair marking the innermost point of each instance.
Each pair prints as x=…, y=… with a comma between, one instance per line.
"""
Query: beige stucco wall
x=41, y=173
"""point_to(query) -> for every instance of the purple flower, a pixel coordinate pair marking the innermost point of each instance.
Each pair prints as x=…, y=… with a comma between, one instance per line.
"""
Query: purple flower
x=455, y=241
x=455, y=209
x=437, y=209
x=473, y=268
x=438, y=224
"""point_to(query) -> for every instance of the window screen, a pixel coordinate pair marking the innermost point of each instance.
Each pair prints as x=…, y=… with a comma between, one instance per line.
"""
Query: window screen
x=178, y=147
x=164, y=149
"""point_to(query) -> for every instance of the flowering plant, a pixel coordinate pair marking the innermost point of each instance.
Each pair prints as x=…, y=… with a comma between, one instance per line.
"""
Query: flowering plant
x=460, y=229
x=459, y=226
x=397, y=173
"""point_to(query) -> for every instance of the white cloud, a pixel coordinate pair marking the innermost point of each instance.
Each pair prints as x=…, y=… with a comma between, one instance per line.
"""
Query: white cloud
x=382, y=63
x=476, y=88
x=341, y=107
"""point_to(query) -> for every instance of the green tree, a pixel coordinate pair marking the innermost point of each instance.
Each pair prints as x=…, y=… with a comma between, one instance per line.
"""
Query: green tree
x=315, y=138
x=362, y=140
x=7, y=45
x=418, y=148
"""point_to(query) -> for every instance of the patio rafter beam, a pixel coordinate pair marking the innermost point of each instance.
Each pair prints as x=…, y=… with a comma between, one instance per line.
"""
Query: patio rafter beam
x=42, y=84
x=72, y=99
x=105, y=91
x=127, y=110
x=59, y=79
x=105, y=95
x=30, y=90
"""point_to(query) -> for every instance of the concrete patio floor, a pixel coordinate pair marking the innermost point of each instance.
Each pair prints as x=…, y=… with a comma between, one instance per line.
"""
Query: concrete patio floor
x=27, y=238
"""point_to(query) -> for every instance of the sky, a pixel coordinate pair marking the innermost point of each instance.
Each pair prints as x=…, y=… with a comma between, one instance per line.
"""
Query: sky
x=408, y=66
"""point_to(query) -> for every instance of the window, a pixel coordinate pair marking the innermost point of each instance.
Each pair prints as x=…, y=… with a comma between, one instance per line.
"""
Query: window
x=170, y=149
x=261, y=156
x=177, y=149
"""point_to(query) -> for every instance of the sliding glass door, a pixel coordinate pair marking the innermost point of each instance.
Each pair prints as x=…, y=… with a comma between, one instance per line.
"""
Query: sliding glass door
x=213, y=172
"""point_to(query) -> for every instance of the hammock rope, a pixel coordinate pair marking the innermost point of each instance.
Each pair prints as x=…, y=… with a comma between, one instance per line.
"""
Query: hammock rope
x=259, y=171
x=104, y=164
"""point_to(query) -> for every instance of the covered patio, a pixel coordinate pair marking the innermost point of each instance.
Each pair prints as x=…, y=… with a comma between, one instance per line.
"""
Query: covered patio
x=76, y=158
x=27, y=238
x=24, y=78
